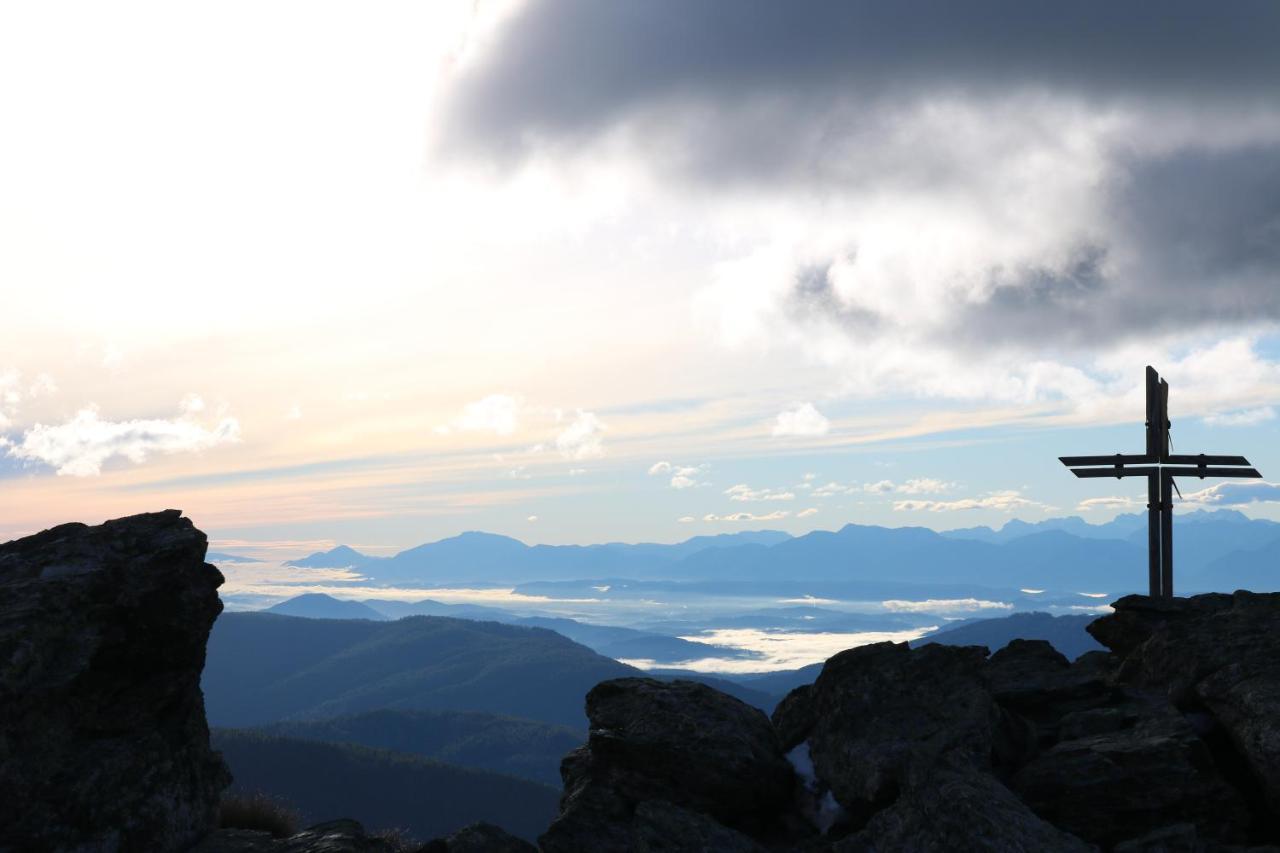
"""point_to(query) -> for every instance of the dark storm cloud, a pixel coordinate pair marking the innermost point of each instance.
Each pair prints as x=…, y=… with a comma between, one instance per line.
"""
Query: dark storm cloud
x=564, y=69
x=1205, y=227
x=839, y=101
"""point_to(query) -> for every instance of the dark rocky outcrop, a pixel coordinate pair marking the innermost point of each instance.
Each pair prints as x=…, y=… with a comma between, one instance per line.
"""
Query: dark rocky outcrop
x=479, y=838
x=1170, y=741
x=103, y=741
x=671, y=760
x=335, y=836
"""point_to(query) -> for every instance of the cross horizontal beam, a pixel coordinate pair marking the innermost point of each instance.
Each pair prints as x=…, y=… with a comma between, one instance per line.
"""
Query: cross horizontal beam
x=1142, y=458
x=1169, y=471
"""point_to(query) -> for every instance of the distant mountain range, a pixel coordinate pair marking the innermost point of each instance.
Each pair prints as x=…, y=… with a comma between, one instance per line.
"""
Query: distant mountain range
x=1067, y=634
x=264, y=667
x=1214, y=550
x=382, y=789
x=608, y=640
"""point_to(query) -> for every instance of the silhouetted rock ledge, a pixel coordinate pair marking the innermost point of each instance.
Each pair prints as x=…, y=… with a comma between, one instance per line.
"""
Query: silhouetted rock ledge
x=103, y=740
x=1168, y=742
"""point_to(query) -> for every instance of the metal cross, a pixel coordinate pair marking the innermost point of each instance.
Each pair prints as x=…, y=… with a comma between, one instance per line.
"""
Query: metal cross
x=1159, y=466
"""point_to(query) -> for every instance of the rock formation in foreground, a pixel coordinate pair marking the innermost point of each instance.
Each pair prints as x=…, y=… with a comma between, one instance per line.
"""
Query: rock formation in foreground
x=1168, y=742
x=103, y=740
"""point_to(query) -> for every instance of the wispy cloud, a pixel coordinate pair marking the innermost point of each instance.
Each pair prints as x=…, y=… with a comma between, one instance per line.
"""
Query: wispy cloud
x=81, y=446
x=497, y=413
x=1242, y=417
x=583, y=438
x=776, y=515
x=944, y=605
x=1114, y=502
x=682, y=476
x=803, y=420
x=1005, y=501
x=1234, y=494
x=743, y=492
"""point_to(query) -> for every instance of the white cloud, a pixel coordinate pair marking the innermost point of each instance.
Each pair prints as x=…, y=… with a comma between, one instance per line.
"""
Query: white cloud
x=805, y=513
x=682, y=476
x=944, y=605
x=532, y=518
x=925, y=486
x=879, y=488
x=577, y=472
x=1241, y=417
x=79, y=447
x=497, y=413
x=583, y=438
x=802, y=420
x=1005, y=501
x=747, y=516
x=686, y=519
x=1114, y=502
x=1234, y=494
x=743, y=492
x=42, y=386
x=833, y=488
x=294, y=413
x=687, y=477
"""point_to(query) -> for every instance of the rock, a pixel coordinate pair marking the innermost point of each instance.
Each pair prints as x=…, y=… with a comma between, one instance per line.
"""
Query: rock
x=103, y=739
x=959, y=810
x=1212, y=654
x=1131, y=768
x=666, y=753
x=335, y=836
x=880, y=717
x=479, y=838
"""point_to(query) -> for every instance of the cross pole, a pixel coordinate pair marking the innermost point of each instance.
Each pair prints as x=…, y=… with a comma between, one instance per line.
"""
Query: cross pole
x=1159, y=466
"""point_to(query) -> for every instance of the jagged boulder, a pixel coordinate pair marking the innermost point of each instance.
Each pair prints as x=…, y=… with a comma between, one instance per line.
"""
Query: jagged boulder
x=675, y=760
x=880, y=715
x=103, y=739
x=1216, y=657
x=904, y=740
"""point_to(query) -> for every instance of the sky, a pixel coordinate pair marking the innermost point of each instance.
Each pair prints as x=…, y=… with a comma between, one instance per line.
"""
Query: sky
x=578, y=272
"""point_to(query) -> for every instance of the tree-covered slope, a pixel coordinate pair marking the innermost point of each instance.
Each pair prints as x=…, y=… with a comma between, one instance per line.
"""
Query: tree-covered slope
x=382, y=789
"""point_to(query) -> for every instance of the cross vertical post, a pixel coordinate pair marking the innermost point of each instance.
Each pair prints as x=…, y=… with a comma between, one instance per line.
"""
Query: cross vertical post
x=1160, y=467
x=1153, y=534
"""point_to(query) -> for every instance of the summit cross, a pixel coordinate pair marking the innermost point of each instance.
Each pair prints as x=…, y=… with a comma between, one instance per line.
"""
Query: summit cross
x=1159, y=466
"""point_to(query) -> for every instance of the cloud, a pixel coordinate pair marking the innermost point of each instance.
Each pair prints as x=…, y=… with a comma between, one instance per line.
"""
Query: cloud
x=833, y=488
x=954, y=190
x=1242, y=417
x=682, y=476
x=1232, y=493
x=686, y=519
x=532, y=518
x=802, y=420
x=747, y=516
x=925, y=486
x=81, y=446
x=944, y=605
x=1005, y=501
x=916, y=486
x=805, y=513
x=583, y=438
x=497, y=413
x=743, y=492
x=1109, y=503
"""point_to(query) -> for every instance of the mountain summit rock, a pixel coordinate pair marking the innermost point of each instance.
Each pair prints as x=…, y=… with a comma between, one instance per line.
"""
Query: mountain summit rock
x=103, y=740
